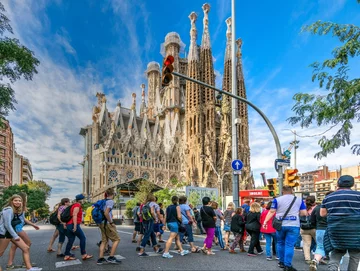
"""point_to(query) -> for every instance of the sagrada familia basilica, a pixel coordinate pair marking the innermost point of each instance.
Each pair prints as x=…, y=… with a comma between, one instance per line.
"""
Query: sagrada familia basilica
x=182, y=132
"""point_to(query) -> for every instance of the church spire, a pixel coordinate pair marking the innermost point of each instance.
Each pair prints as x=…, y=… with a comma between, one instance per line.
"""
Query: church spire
x=228, y=40
x=193, y=51
x=143, y=104
x=205, y=41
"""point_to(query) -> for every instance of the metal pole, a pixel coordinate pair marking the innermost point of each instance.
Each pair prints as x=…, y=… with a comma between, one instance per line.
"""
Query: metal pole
x=234, y=138
x=265, y=118
x=295, y=146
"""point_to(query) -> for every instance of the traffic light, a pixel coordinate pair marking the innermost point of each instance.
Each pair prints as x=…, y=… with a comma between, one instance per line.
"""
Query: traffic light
x=167, y=70
x=272, y=186
x=291, y=178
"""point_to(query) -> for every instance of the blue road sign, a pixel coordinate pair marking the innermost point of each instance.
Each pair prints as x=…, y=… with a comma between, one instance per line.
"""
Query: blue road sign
x=287, y=153
x=281, y=162
x=237, y=165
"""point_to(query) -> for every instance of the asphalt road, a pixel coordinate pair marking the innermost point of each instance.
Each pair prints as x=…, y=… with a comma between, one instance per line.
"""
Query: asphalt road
x=221, y=261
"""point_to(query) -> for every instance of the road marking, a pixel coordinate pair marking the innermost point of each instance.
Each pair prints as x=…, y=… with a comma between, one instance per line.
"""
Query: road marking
x=67, y=263
x=119, y=257
x=152, y=254
x=125, y=232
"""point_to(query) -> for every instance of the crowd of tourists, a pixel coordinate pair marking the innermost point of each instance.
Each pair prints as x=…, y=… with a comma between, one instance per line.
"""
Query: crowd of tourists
x=328, y=229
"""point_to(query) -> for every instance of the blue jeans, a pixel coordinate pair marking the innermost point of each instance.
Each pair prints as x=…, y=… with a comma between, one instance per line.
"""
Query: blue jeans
x=286, y=239
x=298, y=241
x=61, y=230
x=71, y=238
x=269, y=238
x=148, y=233
x=218, y=234
x=320, y=242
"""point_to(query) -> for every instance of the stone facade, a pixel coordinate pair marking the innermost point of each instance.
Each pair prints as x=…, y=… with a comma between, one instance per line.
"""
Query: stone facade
x=182, y=132
x=6, y=155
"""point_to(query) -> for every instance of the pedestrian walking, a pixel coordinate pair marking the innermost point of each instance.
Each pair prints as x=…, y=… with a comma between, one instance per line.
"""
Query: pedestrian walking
x=9, y=219
x=74, y=230
x=208, y=218
x=342, y=209
x=253, y=228
x=307, y=229
x=135, y=214
x=228, y=214
x=286, y=209
x=219, y=218
x=198, y=221
x=237, y=227
x=269, y=233
x=187, y=222
x=108, y=230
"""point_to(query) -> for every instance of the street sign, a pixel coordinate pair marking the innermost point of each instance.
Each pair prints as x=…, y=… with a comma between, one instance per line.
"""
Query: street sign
x=237, y=165
x=281, y=162
x=287, y=153
x=237, y=172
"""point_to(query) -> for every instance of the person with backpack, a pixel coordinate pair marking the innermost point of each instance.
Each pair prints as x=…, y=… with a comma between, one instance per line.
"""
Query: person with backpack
x=307, y=230
x=269, y=233
x=253, y=228
x=55, y=219
x=148, y=216
x=107, y=227
x=136, y=218
x=72, y=215
x=208, y=218
x=23, y=235
x=237, y=227
x=9, y=220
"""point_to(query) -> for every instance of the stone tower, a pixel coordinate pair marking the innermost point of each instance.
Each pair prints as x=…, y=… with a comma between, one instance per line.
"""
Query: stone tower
x=208, y=77
x=153, y=75
x=194, y=116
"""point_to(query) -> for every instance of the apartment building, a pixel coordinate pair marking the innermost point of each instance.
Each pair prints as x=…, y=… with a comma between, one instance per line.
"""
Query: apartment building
x=22, y=171
x=6, y=155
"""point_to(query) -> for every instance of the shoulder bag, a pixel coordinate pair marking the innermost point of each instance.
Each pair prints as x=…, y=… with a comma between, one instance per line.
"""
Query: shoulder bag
x=277, y=223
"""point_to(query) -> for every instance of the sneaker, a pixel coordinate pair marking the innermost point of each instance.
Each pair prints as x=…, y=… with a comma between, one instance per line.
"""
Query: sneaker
x=144, y=254
x=252, y=255
x=167, y=255
x=269, y=258
x=159, y=250
x=184, y=252
x=313, y=266
x=34, y=269
x=112, y=259
x=101, y=261
x=277, y=258
x=261, y=252
x=281, y=265
x=289, y=268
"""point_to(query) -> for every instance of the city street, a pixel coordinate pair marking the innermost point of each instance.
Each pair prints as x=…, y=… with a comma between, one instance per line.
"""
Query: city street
x=221, y=261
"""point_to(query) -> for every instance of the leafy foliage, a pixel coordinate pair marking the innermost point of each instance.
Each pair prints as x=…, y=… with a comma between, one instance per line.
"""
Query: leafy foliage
x=164, y=196
x=194, y=198
x=130, y=204
x=35, y=197
x=40, y=185
x=145, y=187
x=16, y=61
x=340, y=107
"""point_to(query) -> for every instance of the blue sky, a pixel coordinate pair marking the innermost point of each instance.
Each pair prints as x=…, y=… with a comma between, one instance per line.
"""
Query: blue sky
x=90, y=46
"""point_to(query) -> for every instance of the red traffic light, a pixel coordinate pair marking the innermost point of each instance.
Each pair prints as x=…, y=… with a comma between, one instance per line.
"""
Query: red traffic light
x=169, y=60
x=167, y=70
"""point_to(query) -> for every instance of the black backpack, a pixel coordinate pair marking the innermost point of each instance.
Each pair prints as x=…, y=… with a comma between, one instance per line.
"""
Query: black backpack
x=54, y=218
x=66, y=214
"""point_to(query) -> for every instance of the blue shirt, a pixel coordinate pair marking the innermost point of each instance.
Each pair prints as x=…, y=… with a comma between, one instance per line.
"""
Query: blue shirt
x=281, y=204
x=184, y=208
x=343, y=202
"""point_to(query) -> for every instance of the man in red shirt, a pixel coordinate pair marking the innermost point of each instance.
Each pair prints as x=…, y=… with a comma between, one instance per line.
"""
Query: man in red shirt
x=73, y=230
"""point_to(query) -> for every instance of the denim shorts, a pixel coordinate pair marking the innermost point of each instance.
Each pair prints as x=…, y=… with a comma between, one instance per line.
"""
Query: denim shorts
x=173, y=227
x=19, y=228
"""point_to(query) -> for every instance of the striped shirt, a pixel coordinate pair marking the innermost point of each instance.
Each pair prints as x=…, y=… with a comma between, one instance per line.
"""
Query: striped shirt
x=343, y=202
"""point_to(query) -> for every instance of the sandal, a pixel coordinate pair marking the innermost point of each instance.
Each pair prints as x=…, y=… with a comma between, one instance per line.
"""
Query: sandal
x=69, y=258
x=51, y=250
x=197, y=250
x=86, y=257
x=75, y=247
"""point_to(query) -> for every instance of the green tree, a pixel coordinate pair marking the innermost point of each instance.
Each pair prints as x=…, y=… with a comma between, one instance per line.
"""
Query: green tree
x=16, y=61
x=10, y=191
x=40, y=185
x=340, y=107
x=36, y=200
x=194, y=198
x=165, y=195
x=130, y=204
x=44, y=211
x=145, y=187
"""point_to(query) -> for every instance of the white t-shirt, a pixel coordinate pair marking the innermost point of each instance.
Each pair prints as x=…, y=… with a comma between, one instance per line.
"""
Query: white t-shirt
x=281, y=204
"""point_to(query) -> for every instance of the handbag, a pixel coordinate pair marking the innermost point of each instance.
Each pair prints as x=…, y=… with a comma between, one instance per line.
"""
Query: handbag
x=277, y=223
x=226, y=227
